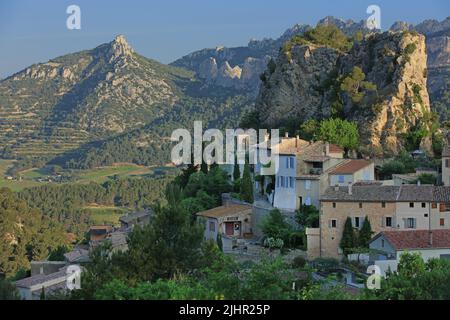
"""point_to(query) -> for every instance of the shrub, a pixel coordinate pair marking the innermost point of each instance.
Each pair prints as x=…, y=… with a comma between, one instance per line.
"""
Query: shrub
x=299, y=262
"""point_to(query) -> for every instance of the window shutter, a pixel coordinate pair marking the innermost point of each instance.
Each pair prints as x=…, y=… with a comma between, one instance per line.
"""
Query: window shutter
x=329, y=224
x=382, y=222
x=442, y=207
x=447, y=163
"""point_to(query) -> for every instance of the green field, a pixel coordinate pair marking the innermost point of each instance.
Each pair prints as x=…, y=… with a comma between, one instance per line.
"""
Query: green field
x=99, y=175
x=105, y=215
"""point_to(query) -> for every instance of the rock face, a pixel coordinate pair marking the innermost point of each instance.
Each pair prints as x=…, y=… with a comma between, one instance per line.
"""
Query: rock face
x=438, y=49
x=305, y=87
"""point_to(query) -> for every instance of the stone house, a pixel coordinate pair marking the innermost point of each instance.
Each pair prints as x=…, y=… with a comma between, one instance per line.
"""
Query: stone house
x=387, y=208
x=231, y=220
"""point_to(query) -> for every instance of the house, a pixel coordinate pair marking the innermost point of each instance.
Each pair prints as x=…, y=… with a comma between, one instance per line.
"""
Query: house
x=77, y=255
x=98, y=233
x=314, y=163
x=411, y=178
x=139, y=218
x=351, y=171
x=429, y=243
x=388, y=208
x=232, y=220
x=32, y=287
x=446, y=166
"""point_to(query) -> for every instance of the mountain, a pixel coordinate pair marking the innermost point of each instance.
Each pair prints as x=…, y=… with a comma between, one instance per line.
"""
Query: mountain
x=438, y=50
x=380, y=83
x=68, y=102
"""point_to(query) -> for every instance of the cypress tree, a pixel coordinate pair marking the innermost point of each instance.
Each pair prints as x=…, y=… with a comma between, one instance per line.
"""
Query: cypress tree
x=365, y=234
x=247, y=185
x=236, y=170
x=348, y=236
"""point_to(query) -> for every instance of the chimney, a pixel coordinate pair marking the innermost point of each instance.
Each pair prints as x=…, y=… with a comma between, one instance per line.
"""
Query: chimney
x=336, y=187
x=350, y=188
x=297, y=138
x=418, y=182
x=266, y=137
x=286, y=134
x=327, y=149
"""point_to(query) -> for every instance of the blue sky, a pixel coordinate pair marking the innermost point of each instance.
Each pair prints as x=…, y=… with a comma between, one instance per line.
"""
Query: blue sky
x=34, y=31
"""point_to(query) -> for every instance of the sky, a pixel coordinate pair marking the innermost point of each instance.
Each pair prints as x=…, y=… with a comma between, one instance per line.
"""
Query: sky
x=35, y=31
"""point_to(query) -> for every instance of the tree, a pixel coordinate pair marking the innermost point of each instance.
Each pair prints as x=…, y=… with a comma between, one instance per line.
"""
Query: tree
x=275, y=226
x=308, y=216
x=348, y=240
x=58, y=254
x=309, y=129
x=247, y=185
x=340, y=132
x=219, y=241
x=236, y=170
x=7, y=290
x=365, y=234
x=355, y=86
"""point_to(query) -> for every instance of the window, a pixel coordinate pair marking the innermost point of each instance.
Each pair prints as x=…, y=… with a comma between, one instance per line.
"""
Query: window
x=308, y=201
x=287, y=163
x=282, y=182
x=411, y=223
x=333, y=223
x=442, y=222
x=334, y=204
x=357, y=222
x=388, y=222
x=292, y=182
x=447, y=163
x=291, y=163
x=360, y=205
x=425, y=215
x=308, y=184
x=424, y=205
x=411, y=204
x=383, y=204
x=434, y=205
x=341, y=179
x=212, y=226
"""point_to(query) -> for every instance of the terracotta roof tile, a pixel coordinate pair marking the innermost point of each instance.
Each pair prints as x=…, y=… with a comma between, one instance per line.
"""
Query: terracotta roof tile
x=418, y=239
x=224, y=211
x=351, y=166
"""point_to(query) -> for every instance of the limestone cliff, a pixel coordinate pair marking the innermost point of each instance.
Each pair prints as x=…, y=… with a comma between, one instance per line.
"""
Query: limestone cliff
x=388, y=99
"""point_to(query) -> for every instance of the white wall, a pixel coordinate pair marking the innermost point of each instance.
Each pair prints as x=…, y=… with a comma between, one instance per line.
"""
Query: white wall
x=404, y=211
x=286, y=196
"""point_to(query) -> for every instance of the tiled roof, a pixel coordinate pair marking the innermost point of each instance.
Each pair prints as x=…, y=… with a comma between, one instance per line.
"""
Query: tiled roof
x=351, y=166
x=446, y=151
x=135, y=215
x=417, y=239
x=362, y=193
x=41, y=279
x=335, y=149
x=76, y=255
x=224, y=211
x=403, y=193
x=442, y=194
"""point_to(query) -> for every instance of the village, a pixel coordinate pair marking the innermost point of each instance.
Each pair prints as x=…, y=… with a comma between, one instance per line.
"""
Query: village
x=405, y=215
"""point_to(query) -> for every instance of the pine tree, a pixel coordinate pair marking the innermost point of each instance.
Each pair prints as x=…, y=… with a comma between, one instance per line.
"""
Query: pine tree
x=348, y=237
x=365, y=234
x=247, y=185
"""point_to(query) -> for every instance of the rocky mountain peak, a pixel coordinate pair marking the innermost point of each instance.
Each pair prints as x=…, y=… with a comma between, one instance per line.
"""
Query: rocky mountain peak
x=119, y=48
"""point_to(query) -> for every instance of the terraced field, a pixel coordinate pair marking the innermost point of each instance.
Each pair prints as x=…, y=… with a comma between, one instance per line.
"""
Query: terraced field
x=30, y=178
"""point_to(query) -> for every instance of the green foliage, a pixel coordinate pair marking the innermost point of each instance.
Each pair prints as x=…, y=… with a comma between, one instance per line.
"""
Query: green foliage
x=236, y=171
x=427, y=178
x=365, y=234
x=58, y=254
x=8, y=291
x=308, y=129
x=27, y=234
x=416, y=280
x=219, y=241
x=247, y=185
x=348, y=240
x=355, y=86
x=299, y=262
x=327, y=35
x=341, y=132
x=308, y=216
x=275, y=226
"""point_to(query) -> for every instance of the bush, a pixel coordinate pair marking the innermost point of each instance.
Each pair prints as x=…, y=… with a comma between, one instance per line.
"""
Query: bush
x=299, y=262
